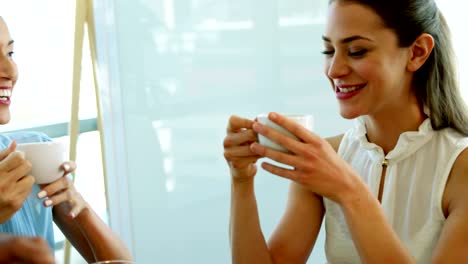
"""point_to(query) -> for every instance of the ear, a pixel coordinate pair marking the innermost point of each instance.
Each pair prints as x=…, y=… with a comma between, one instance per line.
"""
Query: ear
x=420, y=51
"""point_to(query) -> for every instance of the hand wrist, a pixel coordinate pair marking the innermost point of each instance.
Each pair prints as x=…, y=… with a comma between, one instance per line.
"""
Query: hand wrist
x=355, y=194
x=242, y=186
x=84, y=212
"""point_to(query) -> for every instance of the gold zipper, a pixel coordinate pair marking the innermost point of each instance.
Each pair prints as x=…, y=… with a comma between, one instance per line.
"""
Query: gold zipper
x=385, y=163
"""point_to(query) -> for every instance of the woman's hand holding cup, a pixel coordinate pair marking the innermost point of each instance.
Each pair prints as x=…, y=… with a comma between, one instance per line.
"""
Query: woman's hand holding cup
x=50, y=169
x=313, y=161
x=15, y=183
x=62, y=192
x=237, y=152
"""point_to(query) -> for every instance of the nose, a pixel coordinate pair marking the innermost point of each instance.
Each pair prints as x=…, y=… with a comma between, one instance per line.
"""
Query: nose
x=7, y=68
x=337, y=67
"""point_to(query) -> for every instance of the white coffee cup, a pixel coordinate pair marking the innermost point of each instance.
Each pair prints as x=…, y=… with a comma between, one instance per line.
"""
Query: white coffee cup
x=46, y=159
x=306, y=121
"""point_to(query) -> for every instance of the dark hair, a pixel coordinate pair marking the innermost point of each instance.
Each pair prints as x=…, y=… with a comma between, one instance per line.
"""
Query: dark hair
x=436, y=82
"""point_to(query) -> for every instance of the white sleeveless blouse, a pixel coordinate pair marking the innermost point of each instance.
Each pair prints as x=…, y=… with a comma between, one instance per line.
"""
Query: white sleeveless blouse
x=418, y=168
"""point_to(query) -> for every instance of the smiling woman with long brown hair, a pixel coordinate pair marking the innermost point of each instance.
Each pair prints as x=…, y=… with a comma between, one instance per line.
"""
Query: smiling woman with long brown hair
x=392, y=188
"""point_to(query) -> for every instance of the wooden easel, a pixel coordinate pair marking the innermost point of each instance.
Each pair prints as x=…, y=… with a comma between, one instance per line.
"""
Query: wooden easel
x=84, y=17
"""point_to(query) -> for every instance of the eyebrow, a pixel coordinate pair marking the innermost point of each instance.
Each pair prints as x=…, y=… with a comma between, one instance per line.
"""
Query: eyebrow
x=348, y=39
x=11, y=42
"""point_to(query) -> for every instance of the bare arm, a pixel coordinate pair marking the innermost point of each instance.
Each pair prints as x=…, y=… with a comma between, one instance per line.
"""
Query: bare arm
x=292, y=240
x=90, y=235
x=79, y=223
x=453, y=243
x=295, y=236
x=373, y=237
x=247, y=241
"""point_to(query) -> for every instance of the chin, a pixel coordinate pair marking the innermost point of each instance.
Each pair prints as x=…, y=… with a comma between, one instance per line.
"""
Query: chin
x=4, y=118
x=350, y=113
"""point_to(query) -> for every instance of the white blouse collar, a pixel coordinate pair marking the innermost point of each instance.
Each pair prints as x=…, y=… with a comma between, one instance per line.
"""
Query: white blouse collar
x=408, y=142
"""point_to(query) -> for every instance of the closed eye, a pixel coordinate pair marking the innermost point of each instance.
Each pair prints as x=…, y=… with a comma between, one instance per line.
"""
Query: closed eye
x=328, y=52
x=358, y=53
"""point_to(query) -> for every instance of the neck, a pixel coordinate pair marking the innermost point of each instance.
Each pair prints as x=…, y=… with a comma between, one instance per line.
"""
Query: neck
x=384, y=129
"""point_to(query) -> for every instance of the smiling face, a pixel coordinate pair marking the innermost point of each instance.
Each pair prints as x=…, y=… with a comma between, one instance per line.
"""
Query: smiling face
x=365, y=65
x=8, y=72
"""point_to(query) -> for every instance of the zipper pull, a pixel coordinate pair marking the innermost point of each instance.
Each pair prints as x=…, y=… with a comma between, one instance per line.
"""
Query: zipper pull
x=385, y=163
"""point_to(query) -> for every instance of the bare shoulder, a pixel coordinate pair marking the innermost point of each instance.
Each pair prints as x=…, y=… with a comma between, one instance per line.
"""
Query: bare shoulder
x=461, y=163
x=335, y=141
x=452, y=244
x=457, y=184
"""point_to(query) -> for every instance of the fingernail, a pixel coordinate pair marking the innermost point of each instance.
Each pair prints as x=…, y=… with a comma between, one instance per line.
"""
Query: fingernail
x=48, y=202
x=41, y=194
x=66, y=167
x=273, y=115
x=22, y=154
x=71, y=215
x=254, y=147
x=257, y=127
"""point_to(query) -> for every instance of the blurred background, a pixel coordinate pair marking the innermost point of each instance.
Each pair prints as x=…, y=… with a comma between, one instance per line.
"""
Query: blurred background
x=169, y=75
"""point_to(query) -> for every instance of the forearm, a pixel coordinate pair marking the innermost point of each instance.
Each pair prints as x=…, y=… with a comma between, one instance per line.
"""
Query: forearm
x=248, y=244
x=373, y=236
x=90, y=235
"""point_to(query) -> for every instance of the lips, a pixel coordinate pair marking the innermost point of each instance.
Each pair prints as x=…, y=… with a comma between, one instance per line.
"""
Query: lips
x=348, y=91
x=5, y=95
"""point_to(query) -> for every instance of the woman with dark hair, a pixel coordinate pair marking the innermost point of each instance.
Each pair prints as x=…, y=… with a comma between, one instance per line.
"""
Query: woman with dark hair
x=27, y=209
x=392, y=189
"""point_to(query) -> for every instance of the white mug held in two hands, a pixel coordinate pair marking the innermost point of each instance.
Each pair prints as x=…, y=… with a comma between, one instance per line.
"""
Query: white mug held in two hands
x=46, y=159
x=306, y=121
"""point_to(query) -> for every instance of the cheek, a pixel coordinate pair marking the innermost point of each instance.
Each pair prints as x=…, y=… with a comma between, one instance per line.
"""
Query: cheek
x=369, y=70
x=15, y=74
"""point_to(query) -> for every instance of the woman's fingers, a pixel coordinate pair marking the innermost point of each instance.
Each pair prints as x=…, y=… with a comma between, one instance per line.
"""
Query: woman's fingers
x=63, y=191
x=18, y=173
x=25, y=185
x=278, y=156
x=240, y=138
x=279, y=138
x=13, y=161
x=239, y=152
x=279, y=171
x=295, y=128
x=55, y=187
x=5, y=152
x=74, y=200
x=69, y=166
x=237, y=123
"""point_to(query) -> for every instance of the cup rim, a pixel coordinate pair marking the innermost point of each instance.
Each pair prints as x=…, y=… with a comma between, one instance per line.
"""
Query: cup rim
x=39, y=143
x=289, y=115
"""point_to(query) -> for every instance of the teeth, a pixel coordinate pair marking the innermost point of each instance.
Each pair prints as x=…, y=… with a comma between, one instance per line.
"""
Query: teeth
x=5, y=92
x=3, y=98
x=348, y=90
